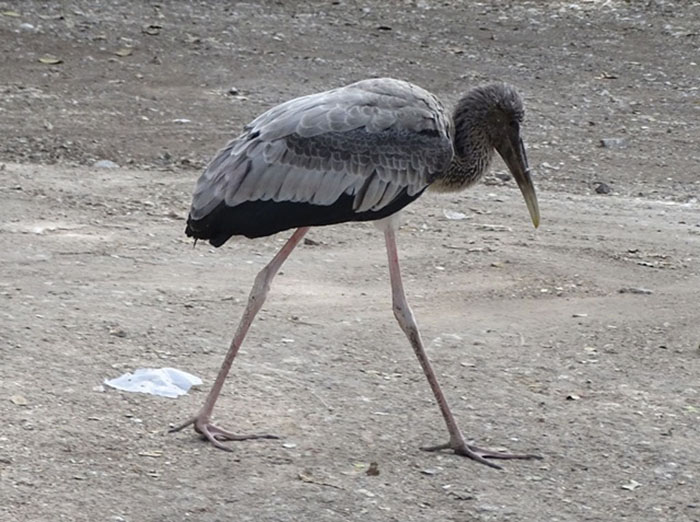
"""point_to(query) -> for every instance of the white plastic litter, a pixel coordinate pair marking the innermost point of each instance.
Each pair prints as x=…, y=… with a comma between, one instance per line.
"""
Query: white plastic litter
x=164, y=382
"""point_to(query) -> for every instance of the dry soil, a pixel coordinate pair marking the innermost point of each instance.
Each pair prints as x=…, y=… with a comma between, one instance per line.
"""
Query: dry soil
x=578, y=341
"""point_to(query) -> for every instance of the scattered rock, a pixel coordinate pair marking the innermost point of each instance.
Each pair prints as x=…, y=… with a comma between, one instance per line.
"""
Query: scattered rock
x=631, y=486
x=612, y=143
x=118, y=332
x=151, y=29
x=633, y=290
x=603, y=188
x=464, y=495
x=549, y=166
x=453, y=215
x=19, y=400
x=50, y=60
x=493, y=228
x=105, y=164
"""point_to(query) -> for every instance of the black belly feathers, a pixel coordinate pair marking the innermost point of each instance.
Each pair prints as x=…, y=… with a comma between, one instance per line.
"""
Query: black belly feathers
x=263, y=218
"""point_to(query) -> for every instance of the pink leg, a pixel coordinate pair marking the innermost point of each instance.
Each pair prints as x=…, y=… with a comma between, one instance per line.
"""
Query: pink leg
x=261, y=287
x=405, y=318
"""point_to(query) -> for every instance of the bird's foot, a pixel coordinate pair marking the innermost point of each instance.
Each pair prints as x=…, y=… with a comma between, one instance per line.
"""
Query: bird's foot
x=478, y=454
x=214, y=434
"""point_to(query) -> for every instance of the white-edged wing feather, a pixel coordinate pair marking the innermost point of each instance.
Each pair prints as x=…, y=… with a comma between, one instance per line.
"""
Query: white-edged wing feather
x=372, y=140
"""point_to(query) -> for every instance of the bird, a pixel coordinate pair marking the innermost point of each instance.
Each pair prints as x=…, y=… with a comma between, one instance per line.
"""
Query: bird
x=360, y=152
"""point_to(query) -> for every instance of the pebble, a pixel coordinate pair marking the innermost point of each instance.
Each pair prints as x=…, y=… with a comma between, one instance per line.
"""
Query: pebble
x=632, y=290
x=603, y=188
x=453, y=215
x=19, y=400
x=105, y=164
x=612, y=143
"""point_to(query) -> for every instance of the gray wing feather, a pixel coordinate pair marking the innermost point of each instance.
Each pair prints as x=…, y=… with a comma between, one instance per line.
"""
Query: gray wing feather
x=372, y=139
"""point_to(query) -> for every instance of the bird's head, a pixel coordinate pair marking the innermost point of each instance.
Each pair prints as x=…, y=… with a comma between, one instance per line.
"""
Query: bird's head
x=496, y=112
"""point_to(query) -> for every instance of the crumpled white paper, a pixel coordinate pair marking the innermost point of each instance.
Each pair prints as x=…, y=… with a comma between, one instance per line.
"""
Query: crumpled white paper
x=164, y=382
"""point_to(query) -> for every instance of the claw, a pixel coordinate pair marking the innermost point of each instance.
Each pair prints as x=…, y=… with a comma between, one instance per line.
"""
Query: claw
x=480, y=454
x=214, y=434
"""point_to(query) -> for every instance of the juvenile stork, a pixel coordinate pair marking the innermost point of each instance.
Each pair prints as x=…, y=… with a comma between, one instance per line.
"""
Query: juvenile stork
x=357, y=153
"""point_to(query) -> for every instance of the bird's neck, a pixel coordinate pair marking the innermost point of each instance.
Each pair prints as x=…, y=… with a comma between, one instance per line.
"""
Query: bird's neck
x=472, y=158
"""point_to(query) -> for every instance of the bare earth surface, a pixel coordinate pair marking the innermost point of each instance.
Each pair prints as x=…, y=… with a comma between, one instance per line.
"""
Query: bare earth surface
x=578, y=341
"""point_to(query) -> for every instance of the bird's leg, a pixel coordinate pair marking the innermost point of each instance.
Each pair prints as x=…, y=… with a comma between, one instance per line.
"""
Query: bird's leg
x=407, y=322
x=261, y=287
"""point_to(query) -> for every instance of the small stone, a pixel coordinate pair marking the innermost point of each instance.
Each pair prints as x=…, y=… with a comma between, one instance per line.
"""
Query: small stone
x=105, y=164
x=603, y=188
x=612, y=143
x=453, y=215
x=493, y=228
x=19, y=400
x=151, y=29
x=464, y=495
x=631, y=486
x=632, y=290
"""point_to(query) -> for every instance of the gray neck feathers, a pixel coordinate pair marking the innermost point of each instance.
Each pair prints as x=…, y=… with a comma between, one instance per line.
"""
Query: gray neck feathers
x=473, y=150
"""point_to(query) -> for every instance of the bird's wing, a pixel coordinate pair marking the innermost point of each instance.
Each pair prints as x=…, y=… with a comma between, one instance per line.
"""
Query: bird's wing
x=372, y=140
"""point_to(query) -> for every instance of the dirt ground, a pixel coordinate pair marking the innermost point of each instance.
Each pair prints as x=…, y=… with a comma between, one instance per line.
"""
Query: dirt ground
x=578, y=341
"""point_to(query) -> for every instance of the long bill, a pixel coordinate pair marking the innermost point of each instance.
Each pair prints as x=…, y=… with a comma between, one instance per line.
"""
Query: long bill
x=513, y=153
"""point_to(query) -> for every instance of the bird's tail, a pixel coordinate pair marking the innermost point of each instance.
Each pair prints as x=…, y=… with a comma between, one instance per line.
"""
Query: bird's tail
x=206, y=228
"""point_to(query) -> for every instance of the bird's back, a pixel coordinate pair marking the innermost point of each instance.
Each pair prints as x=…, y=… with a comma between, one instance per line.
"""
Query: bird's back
x=356, y=153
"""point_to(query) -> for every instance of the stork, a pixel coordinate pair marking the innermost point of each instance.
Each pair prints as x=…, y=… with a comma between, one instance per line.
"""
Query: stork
x=356, y=153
